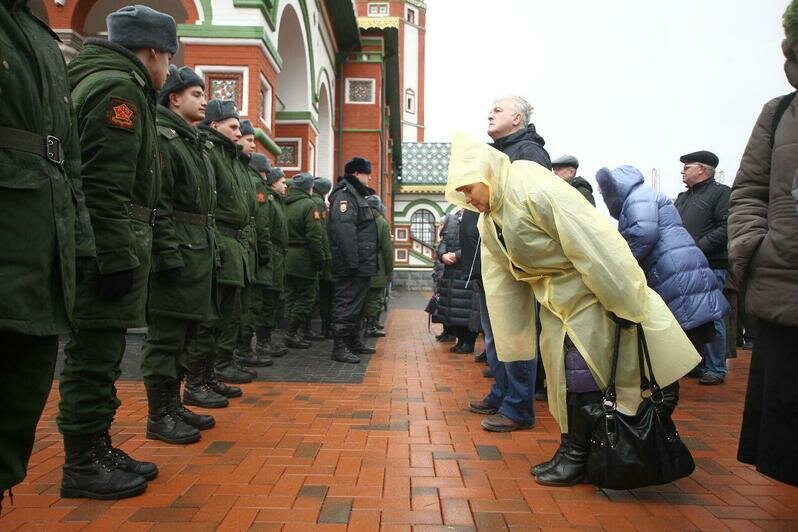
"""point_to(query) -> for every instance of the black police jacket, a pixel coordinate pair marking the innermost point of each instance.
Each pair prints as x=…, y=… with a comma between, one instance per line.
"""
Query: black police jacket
x=704, y=209
x=353, y=231
x=524, y=145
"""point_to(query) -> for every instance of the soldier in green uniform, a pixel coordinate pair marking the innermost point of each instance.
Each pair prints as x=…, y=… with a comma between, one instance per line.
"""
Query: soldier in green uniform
x=184, y=258
x=322, y=187
x=376, y=294
x=260, y=244
x=114, y=84
x=273, y=276
x=305, y=257
x=44, y=226
x=217, y=340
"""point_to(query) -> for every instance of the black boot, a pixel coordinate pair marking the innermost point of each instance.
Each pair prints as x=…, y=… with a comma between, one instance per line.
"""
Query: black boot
x=540, y=468
x=228, y=371
x=148, y=470
x=309, y=334
x=265, y=346
x=570, y=467
x=341, y=352
x=455, y=348
x=372, y=331
x=199, y=421
x=91, y=470
x=163, y=422
x=253, y=359
x=326, y=330
x=218, y=387
x=357, y=346
x=293, y=339
x=197, y=392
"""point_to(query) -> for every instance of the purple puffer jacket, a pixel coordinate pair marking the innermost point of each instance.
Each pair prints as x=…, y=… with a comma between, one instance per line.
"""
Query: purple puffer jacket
x=578, y=378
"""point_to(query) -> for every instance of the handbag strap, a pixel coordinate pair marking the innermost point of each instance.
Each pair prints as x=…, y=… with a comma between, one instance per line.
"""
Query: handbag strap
x=650, y=382
x=609, y=393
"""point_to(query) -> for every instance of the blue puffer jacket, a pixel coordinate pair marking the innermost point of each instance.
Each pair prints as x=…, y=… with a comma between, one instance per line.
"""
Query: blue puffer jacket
x=675, y=268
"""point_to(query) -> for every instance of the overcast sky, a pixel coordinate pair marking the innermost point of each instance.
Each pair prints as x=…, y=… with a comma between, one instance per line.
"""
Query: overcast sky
x=613, y=82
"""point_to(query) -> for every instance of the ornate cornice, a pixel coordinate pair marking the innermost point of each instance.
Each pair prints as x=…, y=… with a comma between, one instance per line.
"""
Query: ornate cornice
x=377, y=23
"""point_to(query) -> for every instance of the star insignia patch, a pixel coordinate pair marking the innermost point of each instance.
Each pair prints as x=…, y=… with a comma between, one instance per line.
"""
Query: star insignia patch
x=121, y=114
x=316, y=215
x=261, y=197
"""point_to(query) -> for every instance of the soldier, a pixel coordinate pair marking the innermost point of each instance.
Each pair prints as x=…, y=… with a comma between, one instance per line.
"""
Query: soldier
x=376, y=294
x=37, y=258
x=184, y=258
x=273, y=286
x=114, y=83
x=305, y=257
x=216, y=341
x=321, y=187
x=259, y=253
x=353, y=242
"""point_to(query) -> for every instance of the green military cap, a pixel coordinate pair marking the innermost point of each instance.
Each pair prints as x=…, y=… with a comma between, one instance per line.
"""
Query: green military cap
x=218, y=110
x=303, y=180
x=274, y=175
x=322, y=185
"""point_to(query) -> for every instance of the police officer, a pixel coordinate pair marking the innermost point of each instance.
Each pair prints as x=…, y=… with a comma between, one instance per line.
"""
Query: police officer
x=216, y=341
x=353, y=241
x=305, y=257
x=321, y=187
x=376, y=295
x=184, y=257
x=273, y=276
x=114, y=84
x=42, y=228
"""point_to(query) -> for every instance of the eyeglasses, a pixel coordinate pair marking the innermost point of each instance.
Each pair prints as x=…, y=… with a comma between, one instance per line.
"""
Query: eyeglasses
x=688, y=166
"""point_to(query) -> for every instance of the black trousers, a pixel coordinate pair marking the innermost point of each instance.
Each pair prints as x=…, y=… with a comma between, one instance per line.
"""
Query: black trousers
x=349, y=299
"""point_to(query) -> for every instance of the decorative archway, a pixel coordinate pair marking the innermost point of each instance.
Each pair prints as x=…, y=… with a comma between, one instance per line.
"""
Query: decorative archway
x=293, y=82
x=324, y=149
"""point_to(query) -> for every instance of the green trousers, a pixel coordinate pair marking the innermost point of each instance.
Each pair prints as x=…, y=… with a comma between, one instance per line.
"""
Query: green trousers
x=374, y=301
x=221, y=334
x=163, y=353
x=246, y=322
x=26, y=377
x=300, y=296
x=266, y=310
x=87, y=386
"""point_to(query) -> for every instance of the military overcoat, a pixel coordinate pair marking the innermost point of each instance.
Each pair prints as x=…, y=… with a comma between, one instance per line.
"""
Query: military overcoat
x=305, y=255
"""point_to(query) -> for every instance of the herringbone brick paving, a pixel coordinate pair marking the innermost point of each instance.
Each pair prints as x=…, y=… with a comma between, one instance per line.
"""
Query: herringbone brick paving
x=398, y=452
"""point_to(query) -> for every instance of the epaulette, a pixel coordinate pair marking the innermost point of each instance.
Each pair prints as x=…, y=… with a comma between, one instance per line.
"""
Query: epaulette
x=167, y=132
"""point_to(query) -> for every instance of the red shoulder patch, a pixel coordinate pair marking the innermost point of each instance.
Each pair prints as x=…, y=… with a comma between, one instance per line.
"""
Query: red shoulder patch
x=261, y=197
x=121, y=114
x=316, y=215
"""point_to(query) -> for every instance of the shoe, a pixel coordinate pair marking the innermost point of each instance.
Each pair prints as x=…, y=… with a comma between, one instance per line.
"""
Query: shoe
x=542, y=394
x=487, y=373
x=482, y=357
x=252, y=359
x=357, y=346
x=264, y=345
x=163, y=423
x=710, y=380
x=540, y=468
x=199, y=421
x=501, y=423
x=196, y=392
x=125, y=462
x=748, y=344
x=342, y=353
x=372, y=331
x=481, y=407
x=464, y=349
x=695, y=373
x=309, y=334
x=293, y=339
x=220, y=388
x=228, y=371
x=446, y=337
x=91, y=470
x=456, y=346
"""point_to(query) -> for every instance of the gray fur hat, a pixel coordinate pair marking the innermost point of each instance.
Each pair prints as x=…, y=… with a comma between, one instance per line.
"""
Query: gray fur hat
x=274, y=175
x=137, y=27
x=218, y=110
x=246, y=128
x=303, y=180
x=178, y=79
x=260, y=163
x=322, y=185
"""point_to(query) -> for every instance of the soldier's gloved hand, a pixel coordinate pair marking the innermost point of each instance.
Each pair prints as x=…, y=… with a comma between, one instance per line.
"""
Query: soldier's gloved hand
x=114, y=286
x=625, y=324
x=172, y=275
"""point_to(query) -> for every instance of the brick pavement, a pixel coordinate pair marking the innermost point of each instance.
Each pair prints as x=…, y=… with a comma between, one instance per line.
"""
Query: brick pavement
x=398, y=452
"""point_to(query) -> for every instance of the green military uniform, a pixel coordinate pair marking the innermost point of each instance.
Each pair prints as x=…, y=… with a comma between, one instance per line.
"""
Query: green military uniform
x=115, y=105
x=325, y=290
x=43, y=215
x=305, y=256
x=272, y=276
x=379, y=281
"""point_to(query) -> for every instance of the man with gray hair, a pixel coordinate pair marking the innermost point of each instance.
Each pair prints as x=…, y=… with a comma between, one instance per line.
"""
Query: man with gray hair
x=512, y=132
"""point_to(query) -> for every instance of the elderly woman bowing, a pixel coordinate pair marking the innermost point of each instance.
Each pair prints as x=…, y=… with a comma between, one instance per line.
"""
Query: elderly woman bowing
x=539, y=242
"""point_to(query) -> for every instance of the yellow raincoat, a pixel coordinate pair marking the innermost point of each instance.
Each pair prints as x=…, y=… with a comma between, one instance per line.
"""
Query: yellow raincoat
x=564, y=253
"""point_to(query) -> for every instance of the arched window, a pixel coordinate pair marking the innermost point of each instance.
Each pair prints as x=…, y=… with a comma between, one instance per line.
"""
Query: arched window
x=422, y=226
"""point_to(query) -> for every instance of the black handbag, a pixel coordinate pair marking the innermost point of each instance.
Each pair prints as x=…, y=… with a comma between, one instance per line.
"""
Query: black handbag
x=629, y=452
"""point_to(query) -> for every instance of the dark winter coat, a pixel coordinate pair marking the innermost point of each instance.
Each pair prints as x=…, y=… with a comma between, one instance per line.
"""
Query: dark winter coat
x=385, y=251
x=278, y=232
x=704, y=209
x=469, y=244
x=674, y=266
x=584, y=188
x=524, y=145
x=352, y=230
x=305, y=257
x=321, y=208
x=455, y=305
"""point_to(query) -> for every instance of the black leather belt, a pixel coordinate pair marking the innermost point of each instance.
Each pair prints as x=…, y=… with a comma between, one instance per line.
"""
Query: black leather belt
x=46, y=146
x=203, y=220
x=227, y=230
x=142, y=213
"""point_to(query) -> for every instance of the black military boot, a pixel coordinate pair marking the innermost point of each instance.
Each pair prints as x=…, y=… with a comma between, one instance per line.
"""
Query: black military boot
x=357, y=346
x=197, y=392
x=540, y=468
x=91, y=470
x=199, y=421
x=163, y=422
x=371, y=330
x=251, y=358
x=570, y=466
x=218, y=387
x=293, y=339
x=125, y=462
x=342, y=353
x=228, y=371
x=308, y=334
x=265, y=346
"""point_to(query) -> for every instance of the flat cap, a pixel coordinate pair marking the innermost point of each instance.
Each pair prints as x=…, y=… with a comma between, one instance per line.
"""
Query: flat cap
x=566, y=160
x=137, y=27
x=303, y=180
x=260, y=163
x=177, y=80
x=704, y=157
x=274, y=175
x=358, y=164
x=246, y=128
x=218, y=110
x=322, y=185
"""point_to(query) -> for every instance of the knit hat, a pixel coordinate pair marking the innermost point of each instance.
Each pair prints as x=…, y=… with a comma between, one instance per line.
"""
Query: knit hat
x=322, y=185
x=218, y=110
x=274, y=175
x=358, y=164
x=790, y=23
x=246, y=128
x=375, y=202
x=260, y=163
x=137, y=27
x=302, y=181
x=179, y=79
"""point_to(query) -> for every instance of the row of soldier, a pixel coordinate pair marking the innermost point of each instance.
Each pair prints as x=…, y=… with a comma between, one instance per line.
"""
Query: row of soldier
x=156, y=211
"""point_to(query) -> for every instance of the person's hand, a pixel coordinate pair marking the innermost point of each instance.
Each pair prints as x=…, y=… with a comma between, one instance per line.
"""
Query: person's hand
x=114, y=286
x=172, y=275
x=449, y=258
